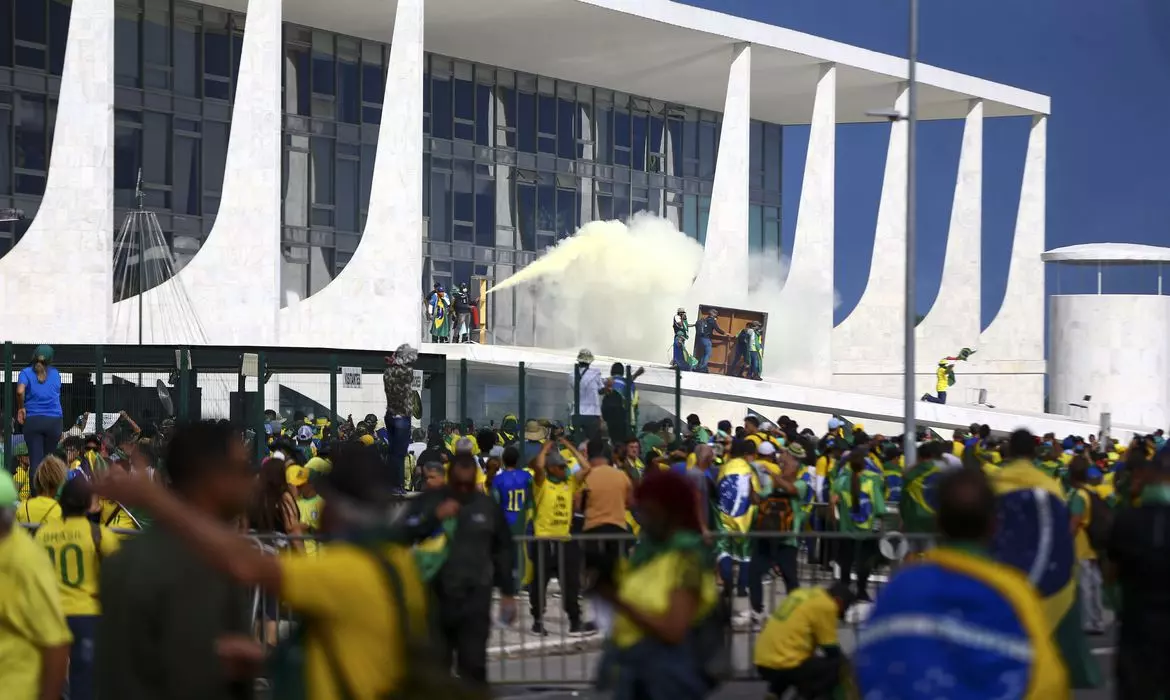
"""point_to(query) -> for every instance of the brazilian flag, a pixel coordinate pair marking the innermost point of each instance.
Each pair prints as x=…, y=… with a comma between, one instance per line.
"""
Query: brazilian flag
x=1033, y=536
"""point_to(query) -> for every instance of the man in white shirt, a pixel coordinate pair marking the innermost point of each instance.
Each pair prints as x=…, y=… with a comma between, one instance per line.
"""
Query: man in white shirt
x=587, y=407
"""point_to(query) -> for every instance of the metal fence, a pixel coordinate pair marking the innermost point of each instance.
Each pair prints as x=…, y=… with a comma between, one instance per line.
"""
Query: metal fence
x=561, y=656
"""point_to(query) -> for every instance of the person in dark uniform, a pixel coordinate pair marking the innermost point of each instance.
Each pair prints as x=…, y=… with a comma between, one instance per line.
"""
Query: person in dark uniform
x=479, y=557
x=463, y=303
x=705, y=329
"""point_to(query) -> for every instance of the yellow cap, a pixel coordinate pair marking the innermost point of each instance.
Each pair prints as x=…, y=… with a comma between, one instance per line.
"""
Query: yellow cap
x=319, y=465
x=296, y=475
x=366, y=439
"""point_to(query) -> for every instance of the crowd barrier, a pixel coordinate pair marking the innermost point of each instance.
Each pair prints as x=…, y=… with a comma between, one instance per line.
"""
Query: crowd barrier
x=518, y=656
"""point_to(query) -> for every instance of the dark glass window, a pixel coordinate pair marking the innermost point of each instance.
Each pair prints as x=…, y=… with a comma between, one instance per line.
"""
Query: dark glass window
x=566, y=129
x=348, y=82
x=187, y=69
x=185, y=199
x=526, y=122
x=58, y=34
x=323, y=78
x=483, y=114
x=217, y=48
x=127, y=161
x=5, y=157
x=348, y=192
x=566, y=212
x=463, y=192
x=772, y=153
x=440, y=206
x=156, y=50
x=215, y=142
x=441, y=116
x=485, y=211
x=126, y=53
x=296, y=80
x=322, y=171
x=30, y=21
x=29, y=133
x=6, y=41
x=526, y=215
x=707, y=150
x=156, y=130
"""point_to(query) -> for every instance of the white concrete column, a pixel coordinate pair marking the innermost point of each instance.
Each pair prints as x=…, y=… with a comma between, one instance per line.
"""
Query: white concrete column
x=58, y=280
x=808, y=296
x=501, y=327
x=1017, y=333
x=870, y=341
x=723, y=275
x=953, y=321
x=385, y=271
x=243, y=246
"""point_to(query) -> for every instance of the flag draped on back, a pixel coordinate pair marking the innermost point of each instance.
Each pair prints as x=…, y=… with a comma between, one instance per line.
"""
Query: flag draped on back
x=961, y=626
x=1033, y=536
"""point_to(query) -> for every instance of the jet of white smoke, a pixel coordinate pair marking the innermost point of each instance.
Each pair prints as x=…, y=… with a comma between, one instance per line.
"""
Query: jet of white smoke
x=614, y=288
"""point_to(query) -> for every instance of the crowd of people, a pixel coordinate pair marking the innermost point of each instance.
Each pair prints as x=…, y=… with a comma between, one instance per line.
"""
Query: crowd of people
x=146, y=587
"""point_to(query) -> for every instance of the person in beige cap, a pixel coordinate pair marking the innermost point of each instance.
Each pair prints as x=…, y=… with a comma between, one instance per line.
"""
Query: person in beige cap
x=588, y=385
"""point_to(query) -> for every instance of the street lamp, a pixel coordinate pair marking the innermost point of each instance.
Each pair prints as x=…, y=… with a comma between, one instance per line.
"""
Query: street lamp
x=909, y=403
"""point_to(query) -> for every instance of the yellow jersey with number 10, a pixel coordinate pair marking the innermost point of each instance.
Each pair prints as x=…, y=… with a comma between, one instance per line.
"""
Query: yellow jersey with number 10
x=76, y=561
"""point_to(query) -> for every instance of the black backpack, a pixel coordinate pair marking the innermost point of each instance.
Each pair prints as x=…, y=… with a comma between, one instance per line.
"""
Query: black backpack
x=1100, y=521
x=774, y=514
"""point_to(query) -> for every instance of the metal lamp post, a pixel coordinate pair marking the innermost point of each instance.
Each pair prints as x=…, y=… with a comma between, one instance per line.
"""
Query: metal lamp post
x=909, y=402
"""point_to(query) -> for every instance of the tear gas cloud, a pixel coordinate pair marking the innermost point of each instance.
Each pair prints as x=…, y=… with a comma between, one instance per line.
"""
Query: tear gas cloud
x=613, y=287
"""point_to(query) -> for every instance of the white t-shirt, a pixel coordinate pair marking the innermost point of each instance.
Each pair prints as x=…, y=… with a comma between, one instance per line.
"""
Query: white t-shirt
x=415, y=449
x=589, y=399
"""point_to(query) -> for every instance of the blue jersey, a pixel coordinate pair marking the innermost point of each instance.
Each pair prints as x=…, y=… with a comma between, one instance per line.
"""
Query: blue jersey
x=513, y=491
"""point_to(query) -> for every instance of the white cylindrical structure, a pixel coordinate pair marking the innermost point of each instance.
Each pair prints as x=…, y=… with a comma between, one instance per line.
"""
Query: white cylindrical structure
x=1114, y=348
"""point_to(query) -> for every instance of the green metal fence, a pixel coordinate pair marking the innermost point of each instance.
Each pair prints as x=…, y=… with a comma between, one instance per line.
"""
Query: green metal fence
x=149, y=383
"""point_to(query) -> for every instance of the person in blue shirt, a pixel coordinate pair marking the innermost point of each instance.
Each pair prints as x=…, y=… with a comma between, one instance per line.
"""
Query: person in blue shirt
x=707, y=327
x=38, y=407
x=512, y=489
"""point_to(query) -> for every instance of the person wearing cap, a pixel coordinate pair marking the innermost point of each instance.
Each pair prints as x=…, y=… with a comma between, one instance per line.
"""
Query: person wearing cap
x=755, y=350
x=779, y=511
x=705, y=330
x=77, y=548
x=439, y=313
x=553, y=554
x=309, y=503
x=34, y=637
x=353, y=599
x=396, y=381
x=679, y=357
x=1081, y=499
x=38, y=406
x=957, y=623
x=588, y=386
x=803, y=624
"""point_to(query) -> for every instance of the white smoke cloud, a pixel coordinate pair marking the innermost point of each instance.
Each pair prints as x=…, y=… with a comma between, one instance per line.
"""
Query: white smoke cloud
x=614, y=288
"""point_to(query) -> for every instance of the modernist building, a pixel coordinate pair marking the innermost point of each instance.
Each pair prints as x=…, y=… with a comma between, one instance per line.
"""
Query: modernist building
x=315, y=165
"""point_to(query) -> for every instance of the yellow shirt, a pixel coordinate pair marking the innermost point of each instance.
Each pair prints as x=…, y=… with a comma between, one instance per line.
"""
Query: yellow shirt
x=805, y=620
x=30, y=614
x=1084, y=549
x=941, y=382
x=76, y=564
x=554, y=508
x=20, y=478
x=310, y=516
x=648, y=588
x=117, y=517
x=360, y=627
x=38, y=510
x=823, y=465
x=958, y=448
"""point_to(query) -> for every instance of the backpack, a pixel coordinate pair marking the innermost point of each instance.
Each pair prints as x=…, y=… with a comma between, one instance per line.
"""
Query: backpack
x=424, y=677
x=774, y=514
x=1100, y=521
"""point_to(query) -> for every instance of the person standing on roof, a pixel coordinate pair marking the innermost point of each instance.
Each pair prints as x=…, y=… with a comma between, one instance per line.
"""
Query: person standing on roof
x=587, y=386
x=679, y=356
x=705, y=329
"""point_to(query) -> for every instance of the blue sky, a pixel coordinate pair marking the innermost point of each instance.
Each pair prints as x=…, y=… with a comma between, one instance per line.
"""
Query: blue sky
x=1106, y=66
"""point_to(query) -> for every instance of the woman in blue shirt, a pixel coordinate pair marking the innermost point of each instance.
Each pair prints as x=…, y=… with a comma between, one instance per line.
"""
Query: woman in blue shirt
x=38, y=407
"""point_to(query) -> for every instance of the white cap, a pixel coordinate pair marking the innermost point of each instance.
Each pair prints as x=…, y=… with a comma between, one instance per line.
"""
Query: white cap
x=766, y=449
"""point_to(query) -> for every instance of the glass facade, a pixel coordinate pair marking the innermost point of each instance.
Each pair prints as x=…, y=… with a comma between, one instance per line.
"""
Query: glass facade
x=512, y=161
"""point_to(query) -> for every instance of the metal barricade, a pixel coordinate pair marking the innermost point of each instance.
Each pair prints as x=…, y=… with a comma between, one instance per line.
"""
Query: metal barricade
x=565, y=656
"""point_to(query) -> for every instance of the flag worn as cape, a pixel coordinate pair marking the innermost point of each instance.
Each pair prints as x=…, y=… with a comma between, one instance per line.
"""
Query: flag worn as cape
x=1033, y=535
x=961, y=626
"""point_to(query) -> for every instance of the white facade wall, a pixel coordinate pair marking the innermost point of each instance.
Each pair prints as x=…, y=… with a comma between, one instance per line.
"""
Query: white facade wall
x=64, y=262
x=1115, y=348
x=231, y=287
x=723, y=275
